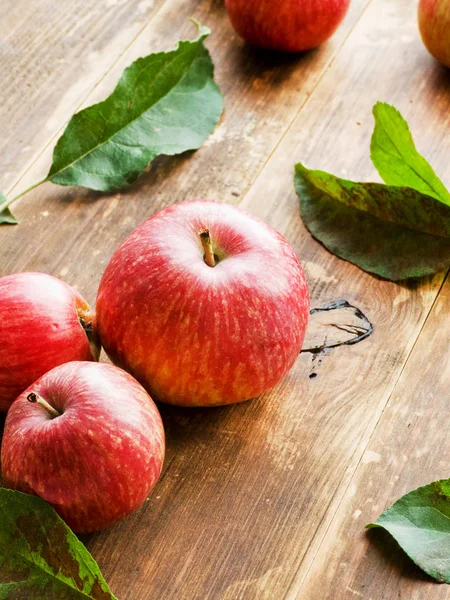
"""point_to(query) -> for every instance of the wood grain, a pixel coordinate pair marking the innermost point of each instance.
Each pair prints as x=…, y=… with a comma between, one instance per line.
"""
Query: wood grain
x=355, y=384
x=304, y=450
x=248, y=492
x=223, y=169
x=408, y=449
x=51, y=56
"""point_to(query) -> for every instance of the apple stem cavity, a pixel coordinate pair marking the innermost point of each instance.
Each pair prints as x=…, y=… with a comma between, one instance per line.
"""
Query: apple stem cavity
x=208, y=256
x=36, y=399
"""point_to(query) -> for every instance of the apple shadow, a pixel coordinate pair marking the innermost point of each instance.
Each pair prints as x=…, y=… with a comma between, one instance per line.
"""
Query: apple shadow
x=185, y=429
x=189, y=426
x=392, y=556
x=274, y=67
x=440, y=80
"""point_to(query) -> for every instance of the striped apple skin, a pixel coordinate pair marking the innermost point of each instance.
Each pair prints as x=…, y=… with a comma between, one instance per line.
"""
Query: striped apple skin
x=286, y=25
x=40, y=328
x=98, y=460
x=196, y=335
x=434, y=26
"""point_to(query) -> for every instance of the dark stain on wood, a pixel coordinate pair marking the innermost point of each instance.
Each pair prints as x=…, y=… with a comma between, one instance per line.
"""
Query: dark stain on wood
x=339, y=323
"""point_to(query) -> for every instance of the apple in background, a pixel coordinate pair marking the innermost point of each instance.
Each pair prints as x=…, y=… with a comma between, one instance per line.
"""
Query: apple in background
x=43, y=323
x=88, y=439
x=286, y=25
x=204, y=304
x=434, y=25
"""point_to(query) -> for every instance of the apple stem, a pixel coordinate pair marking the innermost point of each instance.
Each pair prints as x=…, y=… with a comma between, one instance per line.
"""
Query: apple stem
x=207, y=248
x=36, y=399
x=87, y=320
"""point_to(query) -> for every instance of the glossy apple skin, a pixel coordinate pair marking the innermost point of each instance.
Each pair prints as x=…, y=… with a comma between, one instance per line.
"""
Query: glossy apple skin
x=40, y=327
x=194, y=335
x=99, y=460
x=286, y=25
x=434, y=26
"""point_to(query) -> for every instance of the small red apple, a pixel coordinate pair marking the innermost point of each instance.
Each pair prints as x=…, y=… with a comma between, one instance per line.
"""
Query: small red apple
x=43, y=323
x=204, y=304
x=88, y=439
x=286, y=25
x=434, y=25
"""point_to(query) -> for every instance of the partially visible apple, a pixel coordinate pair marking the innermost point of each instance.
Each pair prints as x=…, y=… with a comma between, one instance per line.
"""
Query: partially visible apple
x=43, y=323
x=434, y=25
x=286, y=25
x=88, y=439
x=204, y=304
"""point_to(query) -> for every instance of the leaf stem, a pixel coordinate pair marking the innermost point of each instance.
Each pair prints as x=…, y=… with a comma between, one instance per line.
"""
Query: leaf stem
x=9, y=201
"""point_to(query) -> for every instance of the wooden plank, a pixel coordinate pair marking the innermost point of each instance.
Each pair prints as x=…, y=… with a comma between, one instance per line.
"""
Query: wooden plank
x=199, y=516
x=245, y=490
x=223, y=169
x=347, y=398
x=409, y=449
x=51, y=56
x=242, y=519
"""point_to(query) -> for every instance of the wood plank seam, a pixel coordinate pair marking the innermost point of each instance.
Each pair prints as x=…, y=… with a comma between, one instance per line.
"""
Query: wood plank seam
x=168, y=508
x=307, y=98
x=58, y=133
x=289, y=595
x=99, y=82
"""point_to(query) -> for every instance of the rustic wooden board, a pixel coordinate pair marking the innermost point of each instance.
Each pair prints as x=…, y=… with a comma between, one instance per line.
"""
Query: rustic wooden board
x=408, y=449
x=51, y=56
x=355, y=383
x=248, y=492
x=216, y=171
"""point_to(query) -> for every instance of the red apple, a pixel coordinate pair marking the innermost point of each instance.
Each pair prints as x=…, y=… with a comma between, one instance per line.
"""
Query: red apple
x=204, y=304
x=286, y=25
x=88, y=439
x=43, y=323
x=434, y=25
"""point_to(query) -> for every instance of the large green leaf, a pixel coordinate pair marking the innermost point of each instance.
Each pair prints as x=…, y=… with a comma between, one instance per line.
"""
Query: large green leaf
x=40, y=557
x=382, y=247
x=398, y=230
x=420, y=523
x=164, y=103
x=400, y=205
x=6, y=216
x=395, y=156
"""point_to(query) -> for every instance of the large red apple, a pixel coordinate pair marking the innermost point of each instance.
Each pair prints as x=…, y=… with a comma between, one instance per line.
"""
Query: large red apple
x=43, y=323
x=434, y=25
x=88, y=439
x=204, y=304
x=286, y=25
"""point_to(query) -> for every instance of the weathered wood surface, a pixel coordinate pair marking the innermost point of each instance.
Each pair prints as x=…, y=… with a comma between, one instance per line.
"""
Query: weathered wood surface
x=250, y=493
x=409, y=448
x=51, y=56
x=354, y=391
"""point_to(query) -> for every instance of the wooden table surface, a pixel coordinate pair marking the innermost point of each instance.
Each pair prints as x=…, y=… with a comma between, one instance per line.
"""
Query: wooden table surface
x=267, y=499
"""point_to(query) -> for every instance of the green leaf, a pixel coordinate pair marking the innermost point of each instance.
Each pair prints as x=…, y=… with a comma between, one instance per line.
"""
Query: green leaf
x=400, y=205
x=356, y=222
x=420, y=523
x=165, y=103
x=6, y=216
x=395, y=156
x=40, y=557
x=399, y=230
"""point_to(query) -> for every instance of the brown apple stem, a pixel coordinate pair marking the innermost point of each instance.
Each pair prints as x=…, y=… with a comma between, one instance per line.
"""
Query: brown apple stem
x=36, y=399
x=207, y=248
x=87, y=320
